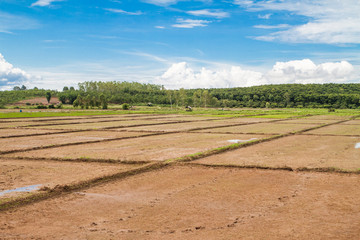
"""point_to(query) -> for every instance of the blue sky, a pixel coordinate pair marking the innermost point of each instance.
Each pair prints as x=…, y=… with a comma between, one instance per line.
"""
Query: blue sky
x=190, y=44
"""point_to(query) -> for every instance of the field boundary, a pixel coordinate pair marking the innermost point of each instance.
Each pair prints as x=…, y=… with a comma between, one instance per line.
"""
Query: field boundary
x=282, y=168
x=61, y=190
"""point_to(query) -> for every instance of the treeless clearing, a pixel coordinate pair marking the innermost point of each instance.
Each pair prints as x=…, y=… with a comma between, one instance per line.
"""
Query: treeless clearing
x=21, y=173
x=295, y=152
x=154, y=148
x=39, y=100
x=19, y=143
x=198, y=203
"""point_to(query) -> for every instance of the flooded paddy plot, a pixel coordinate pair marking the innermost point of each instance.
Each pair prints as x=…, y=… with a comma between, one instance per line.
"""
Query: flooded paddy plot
x=7, y=144
x=152, y=148
x=100, y=125
x=265, y=128
x=198, y=202
x=16, y=174
x=20, y=132
x=296, y=152
x=338, y=129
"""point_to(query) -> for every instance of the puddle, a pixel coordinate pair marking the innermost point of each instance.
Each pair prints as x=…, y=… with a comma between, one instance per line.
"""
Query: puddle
x=357, y=145
x=22, y=189
x=240, y=141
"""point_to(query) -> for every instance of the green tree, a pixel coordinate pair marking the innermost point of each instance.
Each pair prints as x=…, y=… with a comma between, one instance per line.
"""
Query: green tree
x=48, y=96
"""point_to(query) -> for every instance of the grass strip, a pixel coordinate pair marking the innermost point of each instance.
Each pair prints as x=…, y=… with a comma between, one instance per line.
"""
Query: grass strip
x=283, y=168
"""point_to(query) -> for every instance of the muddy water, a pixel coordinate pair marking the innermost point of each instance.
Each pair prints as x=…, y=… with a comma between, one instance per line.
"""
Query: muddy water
x=22, y=189
x=240, y=141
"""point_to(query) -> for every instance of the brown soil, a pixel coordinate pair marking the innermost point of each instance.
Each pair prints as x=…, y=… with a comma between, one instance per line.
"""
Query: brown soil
x=352, y=122
x=198, y=203
x=38, y=100
x=328, y=117
x=154, y=148
x=338, y=129
x=20, y=132
x=267, y=128
x=100, y=125
x=178, y=126
x=20, y=173
x=19, y=143
x=309, y=121
x=295, y=152
x=15, y=124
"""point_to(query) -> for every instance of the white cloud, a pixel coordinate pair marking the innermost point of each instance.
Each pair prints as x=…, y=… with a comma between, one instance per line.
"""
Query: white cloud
x=265, y=16
x=10, y=22
x=299, y=71
x=330, y=21
x=123, y=12
x=272, y=26
x=11, y=76
x=161, y=2
x=190, y=23
x=43, y=3
x=170, y=2
x=209, y=13
x=306, y=71
x=160, y=27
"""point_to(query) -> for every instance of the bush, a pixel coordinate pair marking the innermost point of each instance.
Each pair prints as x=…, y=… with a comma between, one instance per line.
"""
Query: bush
x=125, y=106
x=41, y=107
x=51, y=106
x=28, y=104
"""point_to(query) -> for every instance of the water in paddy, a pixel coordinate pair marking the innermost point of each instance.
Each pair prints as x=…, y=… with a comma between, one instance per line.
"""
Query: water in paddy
x=22, y=189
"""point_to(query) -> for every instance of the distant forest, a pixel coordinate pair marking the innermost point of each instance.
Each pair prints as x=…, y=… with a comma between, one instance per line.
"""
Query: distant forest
x=96, y=94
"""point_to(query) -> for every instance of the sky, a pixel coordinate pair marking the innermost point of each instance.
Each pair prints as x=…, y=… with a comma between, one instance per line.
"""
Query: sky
x=178, y=43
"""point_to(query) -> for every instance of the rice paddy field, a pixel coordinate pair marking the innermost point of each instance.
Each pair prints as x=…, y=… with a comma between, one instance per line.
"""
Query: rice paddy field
x=240, y=174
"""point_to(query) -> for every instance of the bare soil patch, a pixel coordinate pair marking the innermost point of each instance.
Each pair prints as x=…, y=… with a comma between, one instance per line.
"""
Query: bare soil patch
x=178, y=126
x=19, y=143
x=338, y=129
x=328, y=117
x=266, y=128
x=19, y=132
x=21, y=173
x=295, y=152
x=309, y=121
x=198, y=203
x=153, y=148
x=38, y=100
x=352, y=122
x=100, y=125
x=15, y=124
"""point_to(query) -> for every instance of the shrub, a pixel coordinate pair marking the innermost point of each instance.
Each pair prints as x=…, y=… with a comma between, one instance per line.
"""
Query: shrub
x=41, y=107
x=125, y=106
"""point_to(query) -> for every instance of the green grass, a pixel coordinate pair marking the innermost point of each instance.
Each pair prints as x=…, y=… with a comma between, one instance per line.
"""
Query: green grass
x=205, y=112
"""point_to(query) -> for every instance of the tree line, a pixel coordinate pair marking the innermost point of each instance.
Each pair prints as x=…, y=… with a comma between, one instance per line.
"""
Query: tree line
x=98, y=94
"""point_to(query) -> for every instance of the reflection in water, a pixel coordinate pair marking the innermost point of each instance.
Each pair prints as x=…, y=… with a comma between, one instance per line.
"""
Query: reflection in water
x=21, y=189
x=240, y=141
